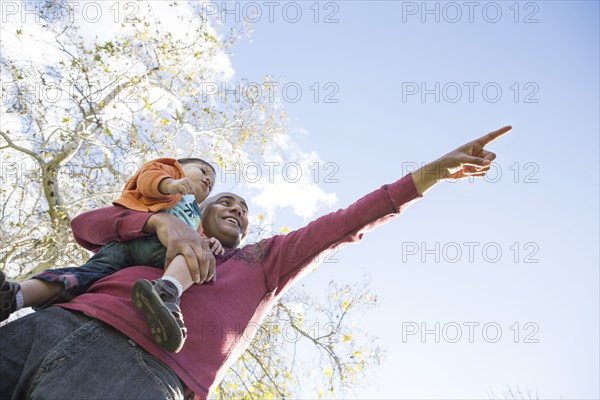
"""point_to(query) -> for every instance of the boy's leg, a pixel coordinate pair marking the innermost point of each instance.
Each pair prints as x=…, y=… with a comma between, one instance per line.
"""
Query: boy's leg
x=178, y=269
x=148, y=251
x=73, y=281
x=159, y=301
x=62, y=284
x=37, y=292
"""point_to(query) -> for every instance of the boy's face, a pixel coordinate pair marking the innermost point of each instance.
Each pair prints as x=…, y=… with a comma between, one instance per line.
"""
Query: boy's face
x=203, y=177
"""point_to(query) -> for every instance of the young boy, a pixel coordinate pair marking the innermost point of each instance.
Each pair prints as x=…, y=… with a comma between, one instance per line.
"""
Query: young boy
x=172, y=186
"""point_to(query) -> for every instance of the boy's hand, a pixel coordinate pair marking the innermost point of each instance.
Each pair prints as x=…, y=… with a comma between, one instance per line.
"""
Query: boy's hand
x=177, y=186
x=215, y=246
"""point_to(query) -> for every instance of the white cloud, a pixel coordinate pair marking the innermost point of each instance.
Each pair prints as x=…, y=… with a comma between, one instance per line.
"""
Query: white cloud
x=288, y=179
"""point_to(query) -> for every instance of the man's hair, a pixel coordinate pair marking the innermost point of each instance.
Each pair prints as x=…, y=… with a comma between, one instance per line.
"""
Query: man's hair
x=184, y=161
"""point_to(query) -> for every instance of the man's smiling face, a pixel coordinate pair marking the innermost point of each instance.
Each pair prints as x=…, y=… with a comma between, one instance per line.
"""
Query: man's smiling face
x=225, y=217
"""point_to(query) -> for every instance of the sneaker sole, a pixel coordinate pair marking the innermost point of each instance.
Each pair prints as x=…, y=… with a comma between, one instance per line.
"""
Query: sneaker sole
x=163, y=325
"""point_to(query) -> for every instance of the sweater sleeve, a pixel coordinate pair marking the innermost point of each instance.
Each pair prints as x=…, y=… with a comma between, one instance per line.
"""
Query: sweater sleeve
x=96, y=228
x=291, y=256
x=150, y=176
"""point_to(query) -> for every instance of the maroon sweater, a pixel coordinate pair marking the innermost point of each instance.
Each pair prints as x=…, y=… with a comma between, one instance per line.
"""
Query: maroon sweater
x=222, y=317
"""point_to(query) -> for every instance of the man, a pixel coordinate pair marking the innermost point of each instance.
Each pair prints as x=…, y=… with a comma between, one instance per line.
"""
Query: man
x=95, y=346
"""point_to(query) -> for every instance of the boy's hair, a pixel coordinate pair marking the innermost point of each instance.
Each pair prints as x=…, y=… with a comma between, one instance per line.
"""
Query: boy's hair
x=184, y=161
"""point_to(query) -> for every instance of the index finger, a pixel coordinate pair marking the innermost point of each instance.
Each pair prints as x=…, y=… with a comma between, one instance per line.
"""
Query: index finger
x=485, y=139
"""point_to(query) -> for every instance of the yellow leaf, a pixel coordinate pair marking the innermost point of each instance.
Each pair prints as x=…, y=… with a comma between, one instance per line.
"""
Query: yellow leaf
x=345, y=305
x=285, y=229
x=347, y=337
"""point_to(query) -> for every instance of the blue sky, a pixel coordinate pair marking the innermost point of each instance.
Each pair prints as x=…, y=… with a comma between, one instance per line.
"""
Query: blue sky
x=543, y=199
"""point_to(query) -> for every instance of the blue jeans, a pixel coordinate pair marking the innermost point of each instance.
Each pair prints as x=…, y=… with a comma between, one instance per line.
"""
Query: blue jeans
x=110, y=259
x=61, y=354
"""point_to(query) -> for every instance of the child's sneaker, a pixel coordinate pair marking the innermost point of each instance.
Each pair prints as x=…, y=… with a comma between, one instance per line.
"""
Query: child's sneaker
x=8, y=294
x=159, y=301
